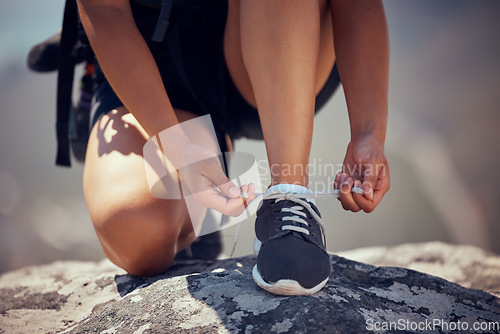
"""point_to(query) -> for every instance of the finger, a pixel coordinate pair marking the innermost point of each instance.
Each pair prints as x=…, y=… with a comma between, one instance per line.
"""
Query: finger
x=236, y=206
x=381, y=188
x=342, y=182
x=213, y=200
x=230, y=189
x=346, y=197
x=352, y=170
x=226, y=186
x=370, y=177
x=361, y=200
x=342, y=179
x=229, y=207
x=244, y=190
x=251, y=189
x=251, y=193
x=368, y=190
x=383, y=185
x=337, y=182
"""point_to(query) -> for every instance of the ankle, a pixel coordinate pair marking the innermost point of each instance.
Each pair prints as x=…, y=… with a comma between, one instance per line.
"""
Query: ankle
x=291, y=188
x=302, y=181
x=288, y=188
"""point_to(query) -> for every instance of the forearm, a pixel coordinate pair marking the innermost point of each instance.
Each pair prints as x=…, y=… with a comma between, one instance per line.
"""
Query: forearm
x=127, y=62
x=362, y=50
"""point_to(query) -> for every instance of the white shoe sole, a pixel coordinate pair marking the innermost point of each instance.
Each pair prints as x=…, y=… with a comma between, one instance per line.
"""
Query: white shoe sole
x=285, y=287
x=256, y=246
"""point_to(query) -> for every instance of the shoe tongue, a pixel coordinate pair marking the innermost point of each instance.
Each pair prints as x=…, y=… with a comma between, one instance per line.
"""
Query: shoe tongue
x=291, y=188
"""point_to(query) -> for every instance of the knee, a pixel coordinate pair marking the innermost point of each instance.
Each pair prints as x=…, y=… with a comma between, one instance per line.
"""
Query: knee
x=146, y=257
x=146, y=261
x=142, y=242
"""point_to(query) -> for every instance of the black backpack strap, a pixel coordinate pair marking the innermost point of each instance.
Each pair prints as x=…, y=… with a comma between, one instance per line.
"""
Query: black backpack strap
x=65, y=77
x=163, y=21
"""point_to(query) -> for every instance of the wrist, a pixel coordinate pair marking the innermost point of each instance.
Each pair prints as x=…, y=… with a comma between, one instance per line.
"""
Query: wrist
x=173, y=142
x=368, y=119
x=377, y=132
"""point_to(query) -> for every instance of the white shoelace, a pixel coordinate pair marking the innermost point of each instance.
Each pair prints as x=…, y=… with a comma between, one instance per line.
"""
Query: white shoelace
x=295, y=210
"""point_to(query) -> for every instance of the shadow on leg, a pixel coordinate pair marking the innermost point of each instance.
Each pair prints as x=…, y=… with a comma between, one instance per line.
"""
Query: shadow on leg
x=138, y=232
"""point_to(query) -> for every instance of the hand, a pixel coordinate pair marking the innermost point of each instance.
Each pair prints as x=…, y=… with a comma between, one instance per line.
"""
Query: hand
x=204, y=178
x=365, y=166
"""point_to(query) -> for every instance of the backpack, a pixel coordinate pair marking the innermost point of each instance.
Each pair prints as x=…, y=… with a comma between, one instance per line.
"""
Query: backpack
x=62, y=52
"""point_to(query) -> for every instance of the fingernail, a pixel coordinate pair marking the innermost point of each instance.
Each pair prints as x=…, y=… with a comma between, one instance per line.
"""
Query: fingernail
x=344, y=187
x=357, y=184
x=343, y=177
x=234, y=191
x=367, y=189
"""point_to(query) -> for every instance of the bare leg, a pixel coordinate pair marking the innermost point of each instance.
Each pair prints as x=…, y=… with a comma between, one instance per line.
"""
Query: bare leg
x=279, y=58
x=138, y=232
x=286, y=48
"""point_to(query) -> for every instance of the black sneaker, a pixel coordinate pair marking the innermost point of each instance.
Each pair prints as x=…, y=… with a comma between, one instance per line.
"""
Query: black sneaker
x=207, y=247
x=292, y=257
x=44, y=56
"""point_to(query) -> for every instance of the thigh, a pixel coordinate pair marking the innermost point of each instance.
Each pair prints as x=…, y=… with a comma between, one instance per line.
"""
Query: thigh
x=234, y=57
x=130, y=223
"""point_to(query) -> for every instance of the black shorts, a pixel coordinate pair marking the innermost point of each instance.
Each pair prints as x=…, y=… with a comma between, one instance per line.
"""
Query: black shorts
x=194, y=72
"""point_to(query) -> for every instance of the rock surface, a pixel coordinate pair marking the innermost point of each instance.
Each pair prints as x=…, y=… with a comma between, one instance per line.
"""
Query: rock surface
x=469, y=266
x=221, y=297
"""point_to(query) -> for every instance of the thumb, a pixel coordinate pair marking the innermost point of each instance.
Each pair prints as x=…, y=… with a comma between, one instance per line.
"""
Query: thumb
x=369, y=183
x=226, y=186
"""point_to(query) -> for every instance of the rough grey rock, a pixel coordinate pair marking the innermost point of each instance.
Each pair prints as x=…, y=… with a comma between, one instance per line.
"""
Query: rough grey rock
x=469, y=266
x=220, y=297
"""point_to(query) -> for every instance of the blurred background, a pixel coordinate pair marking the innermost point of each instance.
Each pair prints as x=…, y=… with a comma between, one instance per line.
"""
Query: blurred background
x=442, y=141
